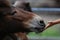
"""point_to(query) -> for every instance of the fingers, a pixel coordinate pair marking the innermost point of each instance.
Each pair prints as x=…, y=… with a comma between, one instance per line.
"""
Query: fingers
x=49, y=24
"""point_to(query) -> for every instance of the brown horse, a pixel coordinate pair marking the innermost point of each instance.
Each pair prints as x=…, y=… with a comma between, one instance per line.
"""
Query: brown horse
x=21, y=21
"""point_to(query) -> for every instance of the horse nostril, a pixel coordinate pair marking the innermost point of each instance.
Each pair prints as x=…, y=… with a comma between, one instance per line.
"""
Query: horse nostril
x=42, y=24
x=41, y=21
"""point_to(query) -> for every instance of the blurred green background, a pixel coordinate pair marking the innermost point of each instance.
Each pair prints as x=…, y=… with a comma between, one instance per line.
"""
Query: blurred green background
x=52, y=31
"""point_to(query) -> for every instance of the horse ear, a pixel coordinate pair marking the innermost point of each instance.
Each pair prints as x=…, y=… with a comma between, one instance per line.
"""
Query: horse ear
x=4, y=3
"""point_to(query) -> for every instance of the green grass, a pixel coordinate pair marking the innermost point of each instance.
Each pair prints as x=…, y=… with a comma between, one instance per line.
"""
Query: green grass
x=53, y=31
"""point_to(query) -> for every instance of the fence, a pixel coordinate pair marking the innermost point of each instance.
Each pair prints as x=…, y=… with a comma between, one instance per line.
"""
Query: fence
x=46, y=9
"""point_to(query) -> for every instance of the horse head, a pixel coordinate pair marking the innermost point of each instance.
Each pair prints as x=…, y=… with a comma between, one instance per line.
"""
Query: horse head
x=26, y=21
x=33, y=21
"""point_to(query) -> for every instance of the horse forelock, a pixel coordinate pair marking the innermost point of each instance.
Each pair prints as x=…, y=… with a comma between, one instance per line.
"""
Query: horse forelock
x=23, y=4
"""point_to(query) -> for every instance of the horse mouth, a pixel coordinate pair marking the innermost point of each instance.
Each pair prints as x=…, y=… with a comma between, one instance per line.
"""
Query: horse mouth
x=37, y=30
x=40, y=30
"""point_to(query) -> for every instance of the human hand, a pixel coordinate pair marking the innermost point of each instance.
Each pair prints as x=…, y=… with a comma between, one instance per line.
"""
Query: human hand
x=50, y=23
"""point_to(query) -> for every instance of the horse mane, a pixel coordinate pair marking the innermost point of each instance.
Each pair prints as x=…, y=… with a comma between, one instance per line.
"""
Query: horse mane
x=5, y=7
x=4, y=3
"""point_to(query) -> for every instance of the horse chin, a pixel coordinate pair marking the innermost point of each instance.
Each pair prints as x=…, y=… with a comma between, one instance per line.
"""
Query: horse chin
x=40, y=31
x=36, y=31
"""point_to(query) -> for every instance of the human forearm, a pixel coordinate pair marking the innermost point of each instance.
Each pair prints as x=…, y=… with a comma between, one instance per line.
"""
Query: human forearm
x=51, y=23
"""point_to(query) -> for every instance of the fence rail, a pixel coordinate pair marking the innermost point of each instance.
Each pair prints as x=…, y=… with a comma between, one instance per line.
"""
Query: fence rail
x=46, y=9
